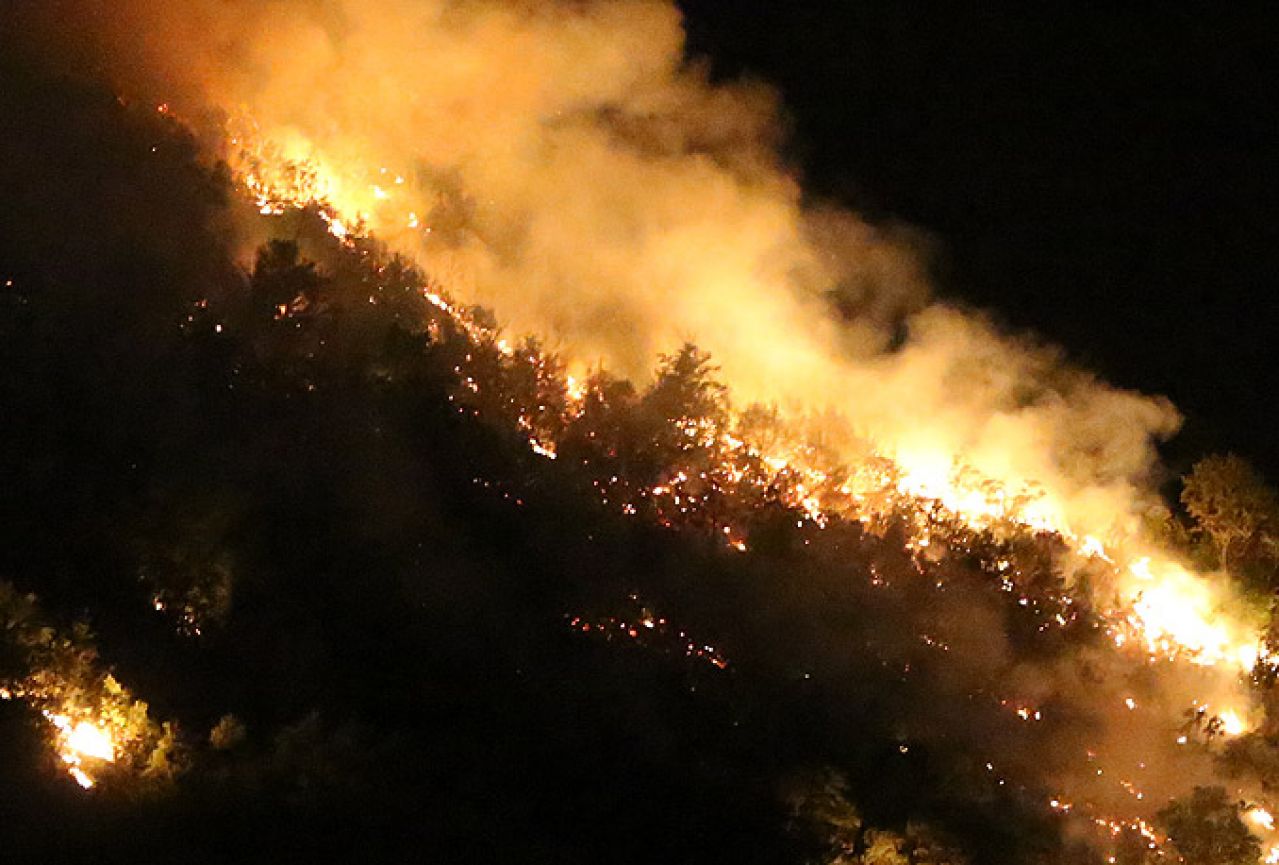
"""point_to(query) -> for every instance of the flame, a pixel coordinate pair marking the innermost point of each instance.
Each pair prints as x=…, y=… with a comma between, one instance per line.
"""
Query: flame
x=1262, y=818
x=979, y=502
x=1172, y=610
x=1176, y=611
x=87, y=740
x=287, y=171
x=81, y=744
x=1232, y=724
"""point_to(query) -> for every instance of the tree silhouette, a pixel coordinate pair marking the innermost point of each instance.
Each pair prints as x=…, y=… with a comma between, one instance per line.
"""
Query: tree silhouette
x=1207, y=829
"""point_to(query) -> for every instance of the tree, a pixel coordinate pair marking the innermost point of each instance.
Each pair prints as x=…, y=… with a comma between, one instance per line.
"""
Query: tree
x=1233, y=507
x=883, y=848
x=928, y=846
x=282, y=281
x=822, y=814
x=686, y=394
x=1207, y=829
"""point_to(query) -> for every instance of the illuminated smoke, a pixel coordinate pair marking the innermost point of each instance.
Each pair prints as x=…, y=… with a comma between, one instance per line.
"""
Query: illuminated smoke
x=561, y=163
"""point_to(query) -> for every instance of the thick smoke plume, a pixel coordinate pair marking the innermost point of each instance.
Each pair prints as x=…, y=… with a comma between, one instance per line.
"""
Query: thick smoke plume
x=563, y=164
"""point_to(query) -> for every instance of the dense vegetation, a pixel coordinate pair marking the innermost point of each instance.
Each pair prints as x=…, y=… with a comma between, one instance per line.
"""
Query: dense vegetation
x=292, y=505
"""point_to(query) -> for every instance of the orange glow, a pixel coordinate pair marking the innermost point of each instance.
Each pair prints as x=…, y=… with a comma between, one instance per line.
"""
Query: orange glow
x=80, y=745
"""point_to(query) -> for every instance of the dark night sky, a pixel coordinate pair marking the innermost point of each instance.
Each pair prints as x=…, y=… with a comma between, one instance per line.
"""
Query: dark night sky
x=1104, y=178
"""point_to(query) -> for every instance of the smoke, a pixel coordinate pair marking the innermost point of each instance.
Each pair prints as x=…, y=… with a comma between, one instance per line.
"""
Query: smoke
x=563, y=164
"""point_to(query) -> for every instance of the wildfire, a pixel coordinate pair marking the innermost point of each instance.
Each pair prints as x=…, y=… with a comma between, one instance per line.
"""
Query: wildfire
x=1170, y=610
x=1153, y=606
x=1231, y=723
x=1176, y=611
x=980, y=503
x=1159, y=607
x=650, y=631
x=80, y=745
x=1261, y=818
x=93, y=719
x=1162, y=606
x=286, y=171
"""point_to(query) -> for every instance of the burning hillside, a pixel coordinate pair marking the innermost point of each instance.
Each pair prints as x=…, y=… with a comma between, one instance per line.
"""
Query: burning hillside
x=893, y=543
